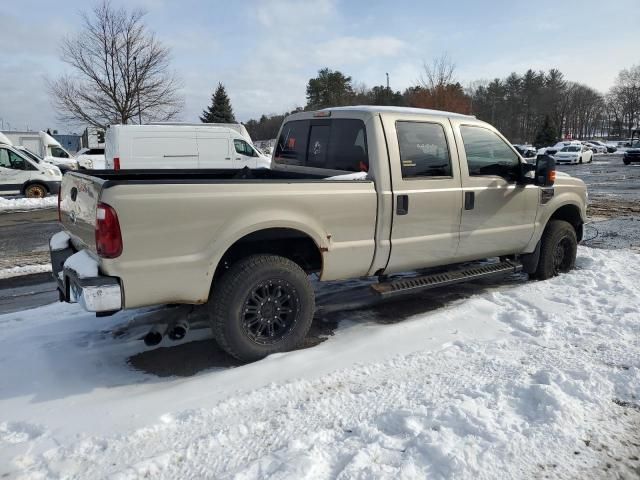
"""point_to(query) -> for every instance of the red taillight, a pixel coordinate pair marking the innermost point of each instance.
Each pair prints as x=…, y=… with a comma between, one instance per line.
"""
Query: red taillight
x=108, y=237
x=59, y=198
x=116, y=163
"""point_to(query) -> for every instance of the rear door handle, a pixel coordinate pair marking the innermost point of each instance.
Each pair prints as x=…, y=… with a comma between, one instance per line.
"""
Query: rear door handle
x=469, y=200
x=402, y=207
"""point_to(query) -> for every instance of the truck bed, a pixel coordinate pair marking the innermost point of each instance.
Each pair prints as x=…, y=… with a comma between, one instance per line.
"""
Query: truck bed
x=198, y=176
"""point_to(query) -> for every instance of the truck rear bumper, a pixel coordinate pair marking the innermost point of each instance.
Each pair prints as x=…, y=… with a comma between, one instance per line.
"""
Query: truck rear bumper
x=101, y=294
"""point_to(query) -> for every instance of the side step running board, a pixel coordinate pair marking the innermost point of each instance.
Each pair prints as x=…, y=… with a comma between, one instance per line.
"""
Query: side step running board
x=405, y=285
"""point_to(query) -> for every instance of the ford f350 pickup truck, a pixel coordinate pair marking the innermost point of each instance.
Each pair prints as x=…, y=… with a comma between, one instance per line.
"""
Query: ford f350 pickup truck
x=352, y=192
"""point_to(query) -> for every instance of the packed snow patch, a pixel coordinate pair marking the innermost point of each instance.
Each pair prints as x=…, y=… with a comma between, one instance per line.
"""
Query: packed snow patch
x=540, y=379
x=21, y=204
x=83, y=264
x=24, y=270
x=59, y=241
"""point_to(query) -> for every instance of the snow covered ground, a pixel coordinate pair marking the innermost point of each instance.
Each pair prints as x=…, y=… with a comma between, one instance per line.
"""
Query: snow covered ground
x=525, y=380
x=24, y=270
x=8, y=204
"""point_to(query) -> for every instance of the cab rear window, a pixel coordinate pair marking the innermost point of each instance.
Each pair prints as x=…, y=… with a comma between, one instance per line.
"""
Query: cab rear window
x=334, y=144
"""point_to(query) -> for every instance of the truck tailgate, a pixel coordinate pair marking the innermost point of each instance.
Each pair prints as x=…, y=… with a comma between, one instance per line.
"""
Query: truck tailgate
x=79, y=196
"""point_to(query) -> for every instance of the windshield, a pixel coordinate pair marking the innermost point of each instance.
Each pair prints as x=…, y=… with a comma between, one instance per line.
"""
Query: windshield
x=31, y=155
x=570, y=149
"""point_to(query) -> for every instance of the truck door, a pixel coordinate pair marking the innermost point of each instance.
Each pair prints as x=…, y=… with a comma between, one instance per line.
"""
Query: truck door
x=14, y=171
x=244, y=154
x=426, y=191
x=498, y=215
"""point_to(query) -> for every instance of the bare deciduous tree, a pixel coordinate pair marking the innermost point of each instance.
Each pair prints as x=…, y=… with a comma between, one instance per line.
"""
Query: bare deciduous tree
x=626, y=95
x=105, y=85
x=438, y=74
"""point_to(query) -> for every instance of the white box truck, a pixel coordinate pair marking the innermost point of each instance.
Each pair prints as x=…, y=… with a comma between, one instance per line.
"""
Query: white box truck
x=45, y=146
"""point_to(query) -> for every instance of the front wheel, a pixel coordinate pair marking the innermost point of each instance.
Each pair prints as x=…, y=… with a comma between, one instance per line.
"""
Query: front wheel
x=558, y=249
x=35, y=190
x=264, y=304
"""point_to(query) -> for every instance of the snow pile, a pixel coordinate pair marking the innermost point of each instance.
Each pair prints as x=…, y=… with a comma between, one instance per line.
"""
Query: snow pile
x=24, y=270
x=21, y=204
x=59, y=241
x=540, y=379
x=83, y=264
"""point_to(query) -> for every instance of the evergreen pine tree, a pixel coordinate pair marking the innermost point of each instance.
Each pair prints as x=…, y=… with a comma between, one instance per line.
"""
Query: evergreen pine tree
x=547, y=134
x=220, y=110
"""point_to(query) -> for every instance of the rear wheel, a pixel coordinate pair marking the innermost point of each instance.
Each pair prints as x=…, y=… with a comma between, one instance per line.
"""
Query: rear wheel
x=558, y=250
x=35, y=190
x=264, y=304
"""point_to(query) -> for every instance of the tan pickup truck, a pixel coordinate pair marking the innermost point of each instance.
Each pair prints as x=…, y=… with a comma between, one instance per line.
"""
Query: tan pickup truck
x=352, y=192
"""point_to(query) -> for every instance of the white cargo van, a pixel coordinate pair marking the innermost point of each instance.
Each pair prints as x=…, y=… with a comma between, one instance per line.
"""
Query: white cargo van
x=174, y=146
x=45, y=146
x=20, y=173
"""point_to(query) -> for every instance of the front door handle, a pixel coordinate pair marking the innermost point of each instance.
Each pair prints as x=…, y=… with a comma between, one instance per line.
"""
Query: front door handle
x=402, y=207
x=469, y=200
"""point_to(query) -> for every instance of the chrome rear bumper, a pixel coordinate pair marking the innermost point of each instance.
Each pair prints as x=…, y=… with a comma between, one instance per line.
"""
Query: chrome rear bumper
x=101, y=294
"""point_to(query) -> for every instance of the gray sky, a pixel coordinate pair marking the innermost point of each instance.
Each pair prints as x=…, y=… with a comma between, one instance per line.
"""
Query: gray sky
x=265, y=51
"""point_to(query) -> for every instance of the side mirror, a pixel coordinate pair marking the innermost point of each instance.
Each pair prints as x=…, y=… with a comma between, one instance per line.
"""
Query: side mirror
x=545, y=171
x=527, y=174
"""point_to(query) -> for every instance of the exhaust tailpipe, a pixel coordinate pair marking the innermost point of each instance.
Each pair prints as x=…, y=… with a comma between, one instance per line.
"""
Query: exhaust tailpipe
x=155, y=335
x=178, y=330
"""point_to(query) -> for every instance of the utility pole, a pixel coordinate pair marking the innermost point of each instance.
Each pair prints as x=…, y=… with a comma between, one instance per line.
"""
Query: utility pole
x=387, y=74
x=135, y=70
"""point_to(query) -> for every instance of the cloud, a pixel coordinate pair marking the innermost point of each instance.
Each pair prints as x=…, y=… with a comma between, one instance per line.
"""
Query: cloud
x=294, y=14
x=19, y=38
x=349, y=49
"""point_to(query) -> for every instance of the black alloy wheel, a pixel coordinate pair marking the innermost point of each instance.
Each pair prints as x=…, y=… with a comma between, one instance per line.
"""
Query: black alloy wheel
x=270, y=311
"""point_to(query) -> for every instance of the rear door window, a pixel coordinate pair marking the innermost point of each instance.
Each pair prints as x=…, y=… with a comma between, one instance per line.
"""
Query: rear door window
x=333, y=144
x=423, y=150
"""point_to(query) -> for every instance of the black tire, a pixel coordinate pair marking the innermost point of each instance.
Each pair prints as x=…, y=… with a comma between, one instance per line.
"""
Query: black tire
x=557, y=250
x=263, y=304
x=35, y=190
x=626, y=162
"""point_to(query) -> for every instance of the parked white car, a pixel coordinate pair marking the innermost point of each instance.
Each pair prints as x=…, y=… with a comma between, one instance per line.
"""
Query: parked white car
x=21, y=174
x=180, y=147
x=552, y=150
x=574, y=154
x=596, y=147
x=91, y=159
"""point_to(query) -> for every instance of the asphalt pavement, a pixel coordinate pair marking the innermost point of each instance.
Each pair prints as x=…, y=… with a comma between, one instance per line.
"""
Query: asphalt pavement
x=24, y=236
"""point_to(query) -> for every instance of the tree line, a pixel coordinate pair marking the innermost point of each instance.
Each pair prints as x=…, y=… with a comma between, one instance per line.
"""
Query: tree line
x=536, y=106
x=120, y=73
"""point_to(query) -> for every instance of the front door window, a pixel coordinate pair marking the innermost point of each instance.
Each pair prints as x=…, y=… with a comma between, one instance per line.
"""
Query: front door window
x=488, y=154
